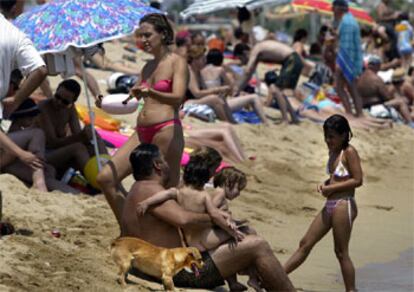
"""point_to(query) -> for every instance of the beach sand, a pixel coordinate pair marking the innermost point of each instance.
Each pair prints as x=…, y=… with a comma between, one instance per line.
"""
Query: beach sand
x=280, y=202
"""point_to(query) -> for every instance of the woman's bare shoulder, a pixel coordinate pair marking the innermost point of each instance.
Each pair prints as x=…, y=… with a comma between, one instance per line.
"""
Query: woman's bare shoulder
x=350, y=151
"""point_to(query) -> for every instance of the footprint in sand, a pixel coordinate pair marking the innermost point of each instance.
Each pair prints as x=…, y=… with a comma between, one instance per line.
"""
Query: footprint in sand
x=308, y=209
x=379, y=207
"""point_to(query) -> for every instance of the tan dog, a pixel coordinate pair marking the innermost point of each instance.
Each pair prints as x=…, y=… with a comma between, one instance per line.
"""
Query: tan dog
x=162, y=263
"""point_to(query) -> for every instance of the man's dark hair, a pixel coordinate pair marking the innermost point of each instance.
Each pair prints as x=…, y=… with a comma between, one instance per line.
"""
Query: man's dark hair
x=243, y=14
x=7, y=5
x=142, y=160
x=71, y=85
x=215, y=57
x=300, y=34
x=239, y=49
x=324, y=29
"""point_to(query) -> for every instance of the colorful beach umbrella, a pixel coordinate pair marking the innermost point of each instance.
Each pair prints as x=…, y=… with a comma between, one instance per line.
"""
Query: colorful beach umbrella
x=325, y=7
x=58, y=24
x=209, y=6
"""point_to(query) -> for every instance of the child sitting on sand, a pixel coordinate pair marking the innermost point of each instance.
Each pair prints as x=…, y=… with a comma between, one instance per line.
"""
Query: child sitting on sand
x=340, y=211
x=193, y=198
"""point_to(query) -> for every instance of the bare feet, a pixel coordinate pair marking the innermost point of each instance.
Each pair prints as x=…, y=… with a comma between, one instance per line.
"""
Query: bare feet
x=39, y=180
x=254, y=283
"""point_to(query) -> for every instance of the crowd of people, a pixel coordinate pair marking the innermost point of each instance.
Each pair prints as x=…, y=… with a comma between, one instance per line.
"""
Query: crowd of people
x=188, y=75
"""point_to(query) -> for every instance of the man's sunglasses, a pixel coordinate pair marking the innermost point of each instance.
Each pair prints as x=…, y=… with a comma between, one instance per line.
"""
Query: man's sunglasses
x=62, y=100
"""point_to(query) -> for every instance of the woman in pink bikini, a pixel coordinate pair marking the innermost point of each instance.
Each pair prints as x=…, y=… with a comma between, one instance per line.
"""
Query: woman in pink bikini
x=162, y=85
x=339, y=212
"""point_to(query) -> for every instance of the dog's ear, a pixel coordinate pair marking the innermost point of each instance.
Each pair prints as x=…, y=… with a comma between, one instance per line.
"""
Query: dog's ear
x=196, y=253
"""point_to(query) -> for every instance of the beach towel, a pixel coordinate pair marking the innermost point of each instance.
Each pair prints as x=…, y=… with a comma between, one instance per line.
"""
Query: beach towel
x=202, y=111
x=243, y=116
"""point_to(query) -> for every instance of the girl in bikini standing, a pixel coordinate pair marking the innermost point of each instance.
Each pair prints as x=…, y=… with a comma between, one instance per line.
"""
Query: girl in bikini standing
x=339, y=212
x=162, y=85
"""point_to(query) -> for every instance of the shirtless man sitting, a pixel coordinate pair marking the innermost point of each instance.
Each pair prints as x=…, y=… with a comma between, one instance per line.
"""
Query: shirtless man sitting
x=159, y=227
x=277, y=53
x=374, y=91
x=67, y=144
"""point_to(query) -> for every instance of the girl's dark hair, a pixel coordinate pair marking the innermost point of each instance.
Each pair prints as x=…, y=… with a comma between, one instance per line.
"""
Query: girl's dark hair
x=300, y=34
x=215, y=57
x=339, y=124
x=230, y=176
x=142, y=160
x=161, y=25
x=201, y=167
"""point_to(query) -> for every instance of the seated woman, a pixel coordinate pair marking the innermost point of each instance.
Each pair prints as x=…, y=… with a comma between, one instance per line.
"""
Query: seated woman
x=215, y=96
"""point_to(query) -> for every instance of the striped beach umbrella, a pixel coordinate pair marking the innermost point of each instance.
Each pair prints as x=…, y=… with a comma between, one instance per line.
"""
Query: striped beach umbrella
x=210, y=6
x=325, y=7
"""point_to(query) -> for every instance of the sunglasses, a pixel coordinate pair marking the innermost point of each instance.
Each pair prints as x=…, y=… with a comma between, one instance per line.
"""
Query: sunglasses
x=62, y=100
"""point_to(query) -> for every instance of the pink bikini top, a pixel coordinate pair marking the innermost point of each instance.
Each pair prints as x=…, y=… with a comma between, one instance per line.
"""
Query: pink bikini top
x=161, y=85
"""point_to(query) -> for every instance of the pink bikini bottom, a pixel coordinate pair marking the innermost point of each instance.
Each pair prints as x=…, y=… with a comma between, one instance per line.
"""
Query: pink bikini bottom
x=330, y=206
x=147, y=133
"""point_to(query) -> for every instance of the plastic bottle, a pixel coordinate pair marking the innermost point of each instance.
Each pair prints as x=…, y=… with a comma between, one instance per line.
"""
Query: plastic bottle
x=68, y=175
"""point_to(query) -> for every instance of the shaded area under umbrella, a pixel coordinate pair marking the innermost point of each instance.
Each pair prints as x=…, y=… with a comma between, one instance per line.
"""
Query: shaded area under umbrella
x=60, y=24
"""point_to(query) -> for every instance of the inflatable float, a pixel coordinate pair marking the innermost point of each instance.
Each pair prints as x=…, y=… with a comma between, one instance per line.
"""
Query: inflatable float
x=102, y=119
x=112, y=104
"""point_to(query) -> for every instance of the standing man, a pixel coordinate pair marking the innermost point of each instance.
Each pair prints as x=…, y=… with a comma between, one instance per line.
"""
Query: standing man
x=17, y=51
x=349, y=57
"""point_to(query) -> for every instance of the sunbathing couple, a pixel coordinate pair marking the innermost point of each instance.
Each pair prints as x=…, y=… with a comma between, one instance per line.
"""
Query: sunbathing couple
x=159, y=218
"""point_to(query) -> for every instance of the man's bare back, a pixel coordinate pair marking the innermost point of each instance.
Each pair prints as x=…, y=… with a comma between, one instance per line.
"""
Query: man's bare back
x=372, y=89
x=271, y=51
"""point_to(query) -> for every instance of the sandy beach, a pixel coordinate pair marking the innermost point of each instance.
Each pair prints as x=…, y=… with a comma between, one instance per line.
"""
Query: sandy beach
x=280, y=202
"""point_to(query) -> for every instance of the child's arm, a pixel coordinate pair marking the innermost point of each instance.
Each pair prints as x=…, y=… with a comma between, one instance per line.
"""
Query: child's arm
x=219, y=198
x=354, y=166
x=158, y=198
x=227, y=224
